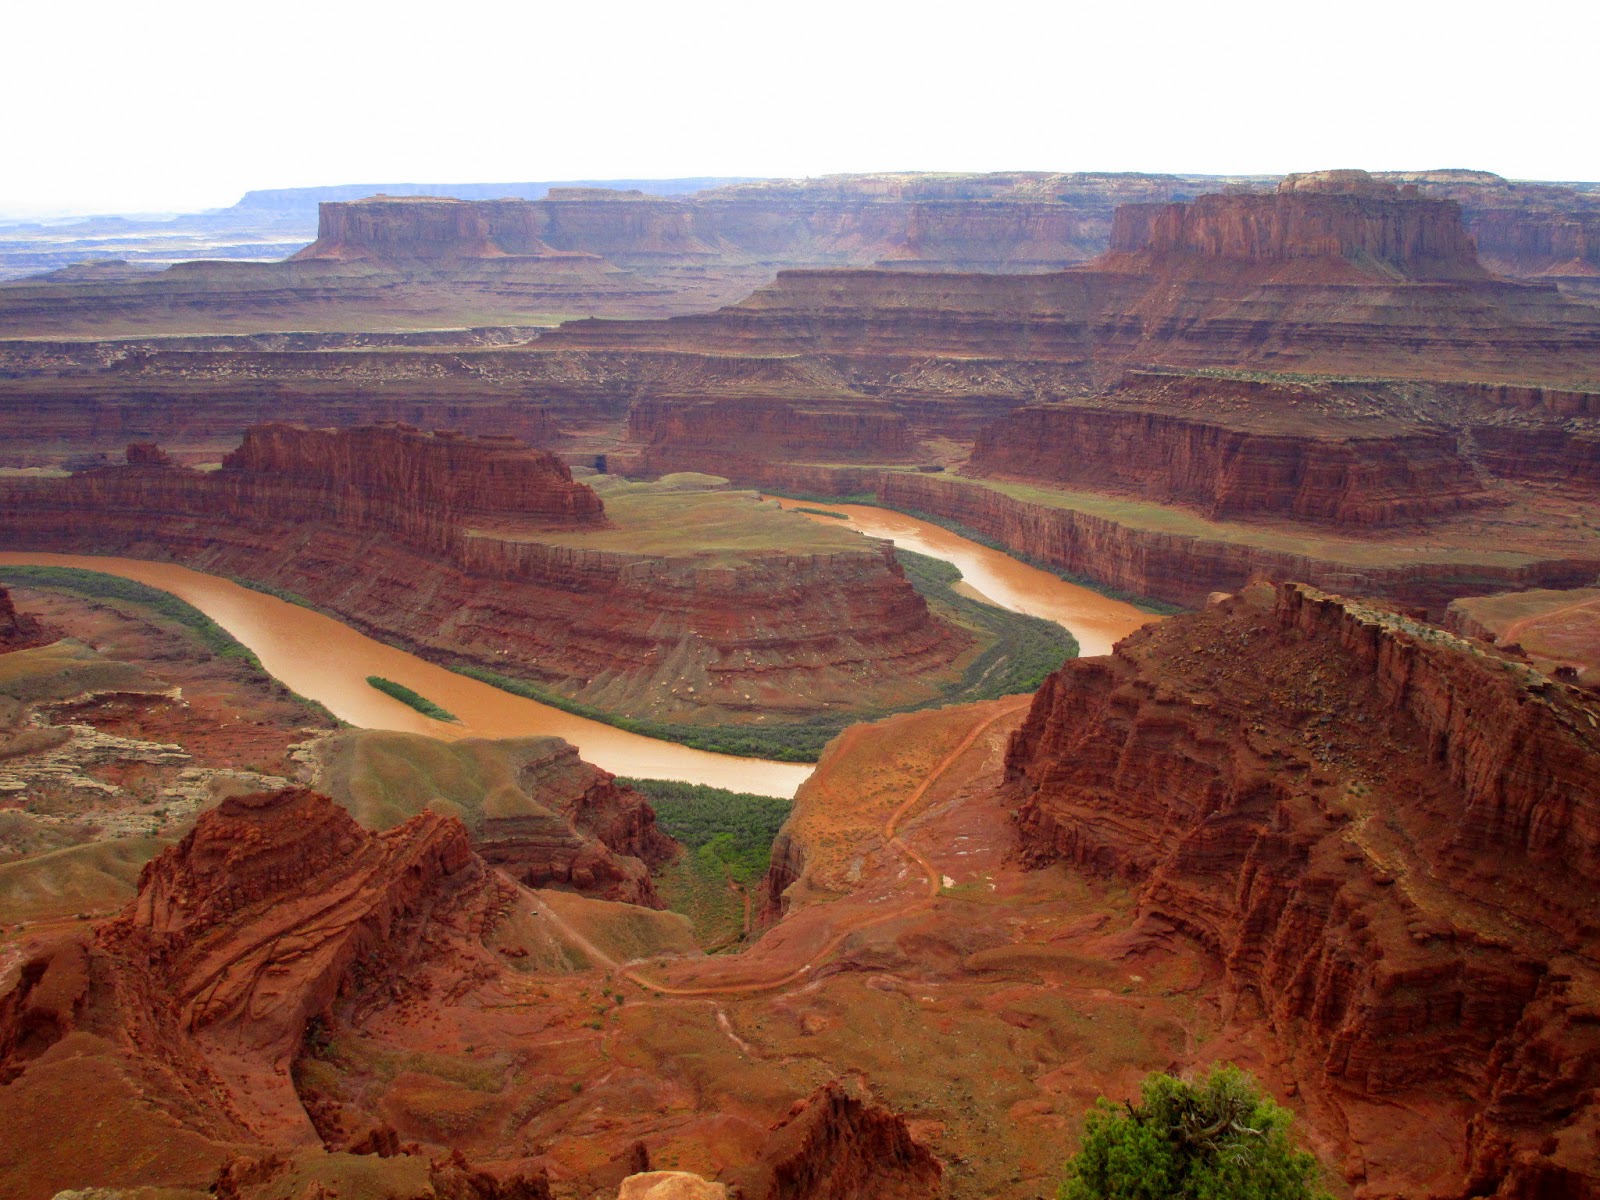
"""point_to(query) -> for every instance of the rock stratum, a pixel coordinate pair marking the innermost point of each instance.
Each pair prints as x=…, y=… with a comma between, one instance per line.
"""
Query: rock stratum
x=1387, y=835
x=479, y=549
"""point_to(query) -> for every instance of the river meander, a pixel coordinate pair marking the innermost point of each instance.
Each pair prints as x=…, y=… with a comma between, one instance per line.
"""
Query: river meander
x=329, y=662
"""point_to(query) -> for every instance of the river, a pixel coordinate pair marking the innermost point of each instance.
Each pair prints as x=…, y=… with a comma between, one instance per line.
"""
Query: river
x=329, y=662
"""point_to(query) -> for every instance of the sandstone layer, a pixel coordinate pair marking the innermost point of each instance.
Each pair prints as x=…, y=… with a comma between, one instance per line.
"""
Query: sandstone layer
x=1151, y=551
x=1385, y=833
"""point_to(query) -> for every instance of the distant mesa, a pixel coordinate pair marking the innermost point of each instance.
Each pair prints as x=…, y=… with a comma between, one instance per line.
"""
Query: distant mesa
x=1357, y=227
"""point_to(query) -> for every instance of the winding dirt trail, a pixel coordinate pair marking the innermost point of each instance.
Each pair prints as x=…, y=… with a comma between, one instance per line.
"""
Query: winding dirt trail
x=1514, y=630
x=935, y=881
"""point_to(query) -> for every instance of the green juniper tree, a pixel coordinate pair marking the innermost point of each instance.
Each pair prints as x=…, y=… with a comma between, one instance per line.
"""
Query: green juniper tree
x=1217, y=1139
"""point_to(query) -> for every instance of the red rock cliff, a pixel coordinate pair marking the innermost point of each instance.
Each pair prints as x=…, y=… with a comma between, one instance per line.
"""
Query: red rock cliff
x=1388, y=836
x=1338, y=472
x=274, y=904
x=399, y=229
x=1340, y=217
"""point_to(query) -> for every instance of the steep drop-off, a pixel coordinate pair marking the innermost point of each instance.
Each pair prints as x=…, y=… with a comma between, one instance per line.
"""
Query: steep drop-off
x=1243, y=448
x=531, y=805
x=1389, y=837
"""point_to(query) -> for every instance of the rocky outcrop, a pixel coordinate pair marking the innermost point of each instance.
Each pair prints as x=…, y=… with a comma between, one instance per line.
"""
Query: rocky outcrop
x=1185, y=568
x=1358, y=225
x=838, y=1145
x=1254, y=462
x=430, y=228
x=1385, y=834
x=531, y=806
x=275, y=904
x=18, y=631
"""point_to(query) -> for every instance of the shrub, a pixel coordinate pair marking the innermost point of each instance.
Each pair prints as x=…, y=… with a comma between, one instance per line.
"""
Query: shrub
x=1218, y=1139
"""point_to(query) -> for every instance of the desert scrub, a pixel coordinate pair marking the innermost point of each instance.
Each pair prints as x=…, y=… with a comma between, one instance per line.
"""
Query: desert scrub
x=739, y=826
x=406, y=696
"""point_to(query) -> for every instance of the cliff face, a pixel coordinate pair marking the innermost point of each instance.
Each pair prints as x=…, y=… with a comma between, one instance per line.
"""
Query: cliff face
x=1346, y=218
x=427, y=228
x=1338, y=473
x=734, y=436
x=18, y=631
x=274, y=905
x=531, y=806
x=1385, y=834
x=1184, y=568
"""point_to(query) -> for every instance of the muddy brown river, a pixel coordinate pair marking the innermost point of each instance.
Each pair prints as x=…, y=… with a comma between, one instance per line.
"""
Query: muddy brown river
x=329, y=662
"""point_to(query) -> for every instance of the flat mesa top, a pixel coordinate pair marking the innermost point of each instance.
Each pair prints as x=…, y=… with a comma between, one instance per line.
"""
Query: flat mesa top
x=666, y=519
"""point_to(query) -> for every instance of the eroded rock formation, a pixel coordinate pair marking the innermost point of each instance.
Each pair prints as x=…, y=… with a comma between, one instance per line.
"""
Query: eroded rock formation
x=1236, y=448
x=1388, y=836
x=474, y=548
x=532, y=807
x=276, y=904
x=18, y=631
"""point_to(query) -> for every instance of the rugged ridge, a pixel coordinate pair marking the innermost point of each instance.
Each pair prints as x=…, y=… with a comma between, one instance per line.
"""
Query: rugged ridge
x=1386, y=835
x=275, y=904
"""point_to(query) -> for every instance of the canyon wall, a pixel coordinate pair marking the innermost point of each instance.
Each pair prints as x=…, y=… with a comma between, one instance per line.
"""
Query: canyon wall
x=762, y=631
x=1352, y=476
x=1184, y=568
x=1387, y=835
x=1346, y=216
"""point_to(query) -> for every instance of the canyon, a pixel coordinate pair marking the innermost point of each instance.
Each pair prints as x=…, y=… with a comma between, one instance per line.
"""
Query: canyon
x=479, y=550
x=1338, y=823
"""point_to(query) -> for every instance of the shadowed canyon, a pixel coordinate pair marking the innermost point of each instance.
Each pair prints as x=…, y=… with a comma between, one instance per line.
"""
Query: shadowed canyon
x=791, y=689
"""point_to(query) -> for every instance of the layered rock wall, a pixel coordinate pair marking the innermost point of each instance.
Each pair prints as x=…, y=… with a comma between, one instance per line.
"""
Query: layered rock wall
x=1183, y=568
x=764, y=631
x=1358, y=479
x=1385, y=833
x=1413, y=237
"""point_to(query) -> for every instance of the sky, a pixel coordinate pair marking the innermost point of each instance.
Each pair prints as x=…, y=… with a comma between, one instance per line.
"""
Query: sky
x=180, y=106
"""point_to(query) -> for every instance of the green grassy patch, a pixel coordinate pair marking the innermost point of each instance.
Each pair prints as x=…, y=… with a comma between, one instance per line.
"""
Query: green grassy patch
x=414, y=699
x=738, y=827
x=822, y=512
x=729, y=839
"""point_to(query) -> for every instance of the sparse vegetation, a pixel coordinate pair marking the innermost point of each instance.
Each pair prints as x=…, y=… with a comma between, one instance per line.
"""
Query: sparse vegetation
x=738, y=827
x=408, y=697
x=1212, y=1139
x=822, y=512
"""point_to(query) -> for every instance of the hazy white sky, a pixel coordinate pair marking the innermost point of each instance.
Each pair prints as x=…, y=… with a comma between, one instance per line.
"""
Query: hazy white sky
x=180, y=105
